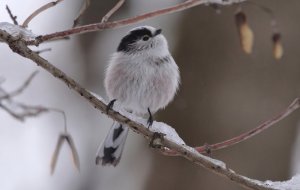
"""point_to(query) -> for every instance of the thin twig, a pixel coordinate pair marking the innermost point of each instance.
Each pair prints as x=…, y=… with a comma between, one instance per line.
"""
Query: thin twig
x=38, y=11
x=62, y=112
x=21, y=88
x=43, y=50
x=84, y=7
x=187, y=152
x=13, y=114
x=269, y=12
x=124, y=22
x=26, y=110
x=112, y=11
x=59, y=39
x=247, y=135
x=13, y=18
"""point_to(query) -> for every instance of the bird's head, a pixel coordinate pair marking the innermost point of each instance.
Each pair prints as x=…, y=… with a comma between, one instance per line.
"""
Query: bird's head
x=143, y=39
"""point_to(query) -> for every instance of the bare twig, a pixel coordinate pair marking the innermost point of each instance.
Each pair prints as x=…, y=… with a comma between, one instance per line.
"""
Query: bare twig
x=247, y=135
x=84, y=7
x=21, y=88
x=13, y=18
x=21, y=111
x=42, y=50
x=38, y=11
x=18, y=110
x=60, y=39
x=64, y=117
x=112, y=11
x=187, y=152
x=265, y=9
x=121, y=23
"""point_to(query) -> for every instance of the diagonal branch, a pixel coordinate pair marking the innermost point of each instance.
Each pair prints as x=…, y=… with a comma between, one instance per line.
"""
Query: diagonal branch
x=121, y=23
x=216, y=166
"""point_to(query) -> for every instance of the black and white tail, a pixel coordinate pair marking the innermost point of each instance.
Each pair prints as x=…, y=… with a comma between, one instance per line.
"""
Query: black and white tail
x=110, y=151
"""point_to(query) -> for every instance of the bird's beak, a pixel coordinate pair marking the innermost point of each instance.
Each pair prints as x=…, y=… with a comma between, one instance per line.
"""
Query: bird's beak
x=157, y=32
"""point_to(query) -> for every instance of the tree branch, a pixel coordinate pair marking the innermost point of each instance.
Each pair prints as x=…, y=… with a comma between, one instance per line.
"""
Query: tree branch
x=218, y=167
x=112, y=11
x=20, y=89
x=38, y=11
x=121, y=23
x=18, y=110
x=84, y=7
x=247, y=135
x=23, y=111
x=13, y=18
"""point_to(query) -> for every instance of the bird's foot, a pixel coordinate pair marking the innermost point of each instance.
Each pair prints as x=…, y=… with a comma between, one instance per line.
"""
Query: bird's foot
x=110, y=105
x=150, y=119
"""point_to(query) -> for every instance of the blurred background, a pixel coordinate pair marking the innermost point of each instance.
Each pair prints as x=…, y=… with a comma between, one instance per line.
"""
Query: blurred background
x=224, y=92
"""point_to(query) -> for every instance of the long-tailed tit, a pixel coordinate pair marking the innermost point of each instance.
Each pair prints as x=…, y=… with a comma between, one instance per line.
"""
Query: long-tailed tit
x=142, y=77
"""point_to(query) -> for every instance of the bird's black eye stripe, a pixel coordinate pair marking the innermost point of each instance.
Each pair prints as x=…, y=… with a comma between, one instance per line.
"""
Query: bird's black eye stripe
x=132, y=37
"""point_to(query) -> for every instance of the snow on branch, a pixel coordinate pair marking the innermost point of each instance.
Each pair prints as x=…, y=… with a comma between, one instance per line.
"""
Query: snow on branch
x=292, y=184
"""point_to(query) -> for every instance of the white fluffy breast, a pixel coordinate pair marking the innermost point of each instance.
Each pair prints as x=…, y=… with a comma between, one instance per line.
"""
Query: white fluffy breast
x=141, y=81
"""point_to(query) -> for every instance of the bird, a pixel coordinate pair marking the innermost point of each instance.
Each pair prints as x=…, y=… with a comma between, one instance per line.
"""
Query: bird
x=142, y=77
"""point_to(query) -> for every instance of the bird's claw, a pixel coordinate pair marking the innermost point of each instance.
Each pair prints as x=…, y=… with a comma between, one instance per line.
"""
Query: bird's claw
x=150, y=119
x=110, y=105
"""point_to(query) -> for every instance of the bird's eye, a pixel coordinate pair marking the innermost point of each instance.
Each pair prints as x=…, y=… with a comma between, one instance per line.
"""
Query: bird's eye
x=146, y=38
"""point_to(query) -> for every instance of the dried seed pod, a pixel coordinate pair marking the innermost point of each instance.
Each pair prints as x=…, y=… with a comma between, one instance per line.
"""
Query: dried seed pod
x=75, y=157
x=59, y=143
x=245, y=32
x=277, y=46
